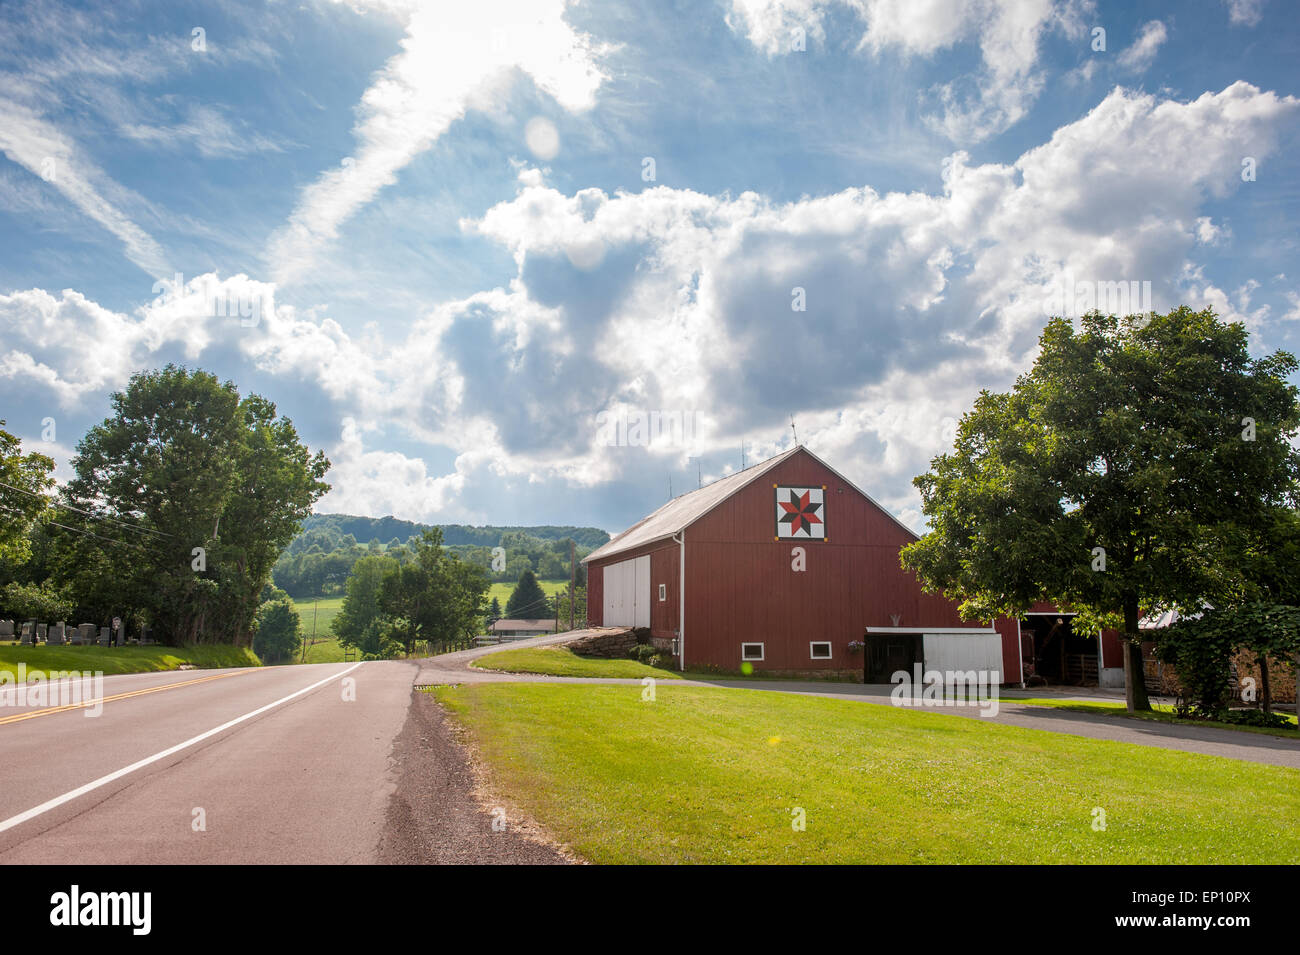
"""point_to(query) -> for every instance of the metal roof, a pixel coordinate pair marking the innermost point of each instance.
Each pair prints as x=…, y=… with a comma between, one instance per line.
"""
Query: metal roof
x=686, y=509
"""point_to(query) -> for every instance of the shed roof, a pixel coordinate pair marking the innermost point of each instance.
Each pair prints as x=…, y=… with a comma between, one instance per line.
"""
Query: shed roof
x=547, y=624
x=686, y=509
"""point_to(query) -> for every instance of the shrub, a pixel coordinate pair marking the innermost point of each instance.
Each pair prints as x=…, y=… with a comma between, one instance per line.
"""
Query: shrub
x=1253, y=718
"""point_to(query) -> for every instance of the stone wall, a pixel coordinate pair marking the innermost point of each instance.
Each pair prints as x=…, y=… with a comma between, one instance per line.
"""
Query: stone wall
x=609, y=642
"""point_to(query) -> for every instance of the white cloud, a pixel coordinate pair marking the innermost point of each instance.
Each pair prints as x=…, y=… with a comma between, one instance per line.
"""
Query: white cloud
x=454, y=57
x=1245, y=12
x=1140, y=55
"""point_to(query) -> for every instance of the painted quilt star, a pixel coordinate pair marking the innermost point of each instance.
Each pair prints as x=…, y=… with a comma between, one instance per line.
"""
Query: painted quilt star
x=801, y=513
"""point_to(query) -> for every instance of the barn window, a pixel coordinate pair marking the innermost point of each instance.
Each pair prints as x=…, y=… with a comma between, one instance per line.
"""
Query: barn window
x=820, y=650
x=751, y=651
x=663, y=591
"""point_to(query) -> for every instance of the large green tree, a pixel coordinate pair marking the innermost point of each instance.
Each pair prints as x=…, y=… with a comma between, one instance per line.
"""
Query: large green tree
x=24, y=479
x=435, y=596
x=354, y=623
x=208, y=488
x=1117, y=477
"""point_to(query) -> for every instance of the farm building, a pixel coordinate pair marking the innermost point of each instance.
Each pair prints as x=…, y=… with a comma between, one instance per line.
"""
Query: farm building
x=784, y=565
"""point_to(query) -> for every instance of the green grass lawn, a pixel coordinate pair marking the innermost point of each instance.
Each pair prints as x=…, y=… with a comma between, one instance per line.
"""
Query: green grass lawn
x=1160, y=713
x=124, y=659
x=712, y=776
x=561, y=661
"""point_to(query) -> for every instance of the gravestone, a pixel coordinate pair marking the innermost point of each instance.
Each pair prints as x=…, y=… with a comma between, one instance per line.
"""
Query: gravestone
x=146, y=635
x=27, y=633
x=6, y=629
x=86, y=634
x=121, y=636
x=104, y=639
x=57, y=633
x=42, y=633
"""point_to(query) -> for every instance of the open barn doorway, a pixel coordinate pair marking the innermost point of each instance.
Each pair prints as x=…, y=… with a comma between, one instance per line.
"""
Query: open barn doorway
x=1054, y=654
x=890, y=652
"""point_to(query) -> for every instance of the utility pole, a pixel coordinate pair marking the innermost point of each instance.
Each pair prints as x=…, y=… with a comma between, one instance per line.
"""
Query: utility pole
x=573, y=573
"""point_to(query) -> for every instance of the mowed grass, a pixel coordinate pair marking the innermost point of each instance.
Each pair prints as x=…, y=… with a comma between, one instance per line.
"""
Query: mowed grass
x=718, y=776
x=110, y=660
x=561, y=661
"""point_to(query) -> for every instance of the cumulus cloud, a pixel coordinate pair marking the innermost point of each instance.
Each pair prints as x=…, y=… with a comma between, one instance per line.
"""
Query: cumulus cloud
x=454, y=57
x=912, y=302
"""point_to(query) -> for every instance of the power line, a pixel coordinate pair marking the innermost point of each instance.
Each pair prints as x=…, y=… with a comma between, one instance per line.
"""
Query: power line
x=77, y=530
x=99, y=517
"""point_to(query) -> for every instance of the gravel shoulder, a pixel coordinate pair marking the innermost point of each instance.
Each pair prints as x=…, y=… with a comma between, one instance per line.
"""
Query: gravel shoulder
x=436, y=814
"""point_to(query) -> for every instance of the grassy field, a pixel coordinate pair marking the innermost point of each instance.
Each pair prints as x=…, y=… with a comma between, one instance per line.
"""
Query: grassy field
x=123, y=659
x=502, y=592
x=561, y=661
x=1161, y=713
x=720, y=776
x=327, y=649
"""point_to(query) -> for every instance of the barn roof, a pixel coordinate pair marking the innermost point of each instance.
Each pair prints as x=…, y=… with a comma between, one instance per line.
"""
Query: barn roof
x=686, y=509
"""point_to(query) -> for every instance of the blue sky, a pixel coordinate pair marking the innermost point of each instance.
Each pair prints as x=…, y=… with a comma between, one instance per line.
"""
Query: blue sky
x=462, y=270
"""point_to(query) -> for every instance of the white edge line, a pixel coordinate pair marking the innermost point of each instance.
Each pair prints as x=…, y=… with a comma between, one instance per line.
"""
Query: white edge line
x=57, y=801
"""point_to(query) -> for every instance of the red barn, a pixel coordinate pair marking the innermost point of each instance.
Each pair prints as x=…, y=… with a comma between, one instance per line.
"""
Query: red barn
x=782, y=566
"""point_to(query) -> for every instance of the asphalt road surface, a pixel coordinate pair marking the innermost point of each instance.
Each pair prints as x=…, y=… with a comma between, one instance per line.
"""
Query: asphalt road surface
x=325, y=763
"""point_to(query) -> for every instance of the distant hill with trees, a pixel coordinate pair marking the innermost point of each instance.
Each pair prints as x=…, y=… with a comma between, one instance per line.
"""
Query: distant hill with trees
x=384, y=529
x=320, y=559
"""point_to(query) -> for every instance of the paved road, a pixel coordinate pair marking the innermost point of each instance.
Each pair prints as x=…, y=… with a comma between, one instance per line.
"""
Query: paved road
x=275, y=762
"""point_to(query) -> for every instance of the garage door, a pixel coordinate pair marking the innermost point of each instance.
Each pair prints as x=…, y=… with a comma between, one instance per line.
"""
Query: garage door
x=627, y=593
x=974, y=650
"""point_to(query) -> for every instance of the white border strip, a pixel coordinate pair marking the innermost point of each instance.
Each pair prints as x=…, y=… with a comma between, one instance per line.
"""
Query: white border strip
x=57, y=801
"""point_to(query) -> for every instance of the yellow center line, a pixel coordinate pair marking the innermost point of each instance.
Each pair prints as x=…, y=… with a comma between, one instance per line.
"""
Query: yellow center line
x=18, y=717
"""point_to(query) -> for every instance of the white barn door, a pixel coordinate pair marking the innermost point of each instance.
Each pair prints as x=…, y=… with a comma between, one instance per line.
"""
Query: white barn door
x=627, y=593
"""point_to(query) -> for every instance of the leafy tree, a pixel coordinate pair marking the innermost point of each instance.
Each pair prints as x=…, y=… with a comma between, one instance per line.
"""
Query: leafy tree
x=361, y=604
x=1116, y=478
x=434, y=597
x=214, y=487
x=278, y=632
x=527, y=601
x=37, y=602
x=27, y=477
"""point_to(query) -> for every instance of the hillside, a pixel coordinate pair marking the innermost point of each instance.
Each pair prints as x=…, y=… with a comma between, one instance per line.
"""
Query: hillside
x=384, y=529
